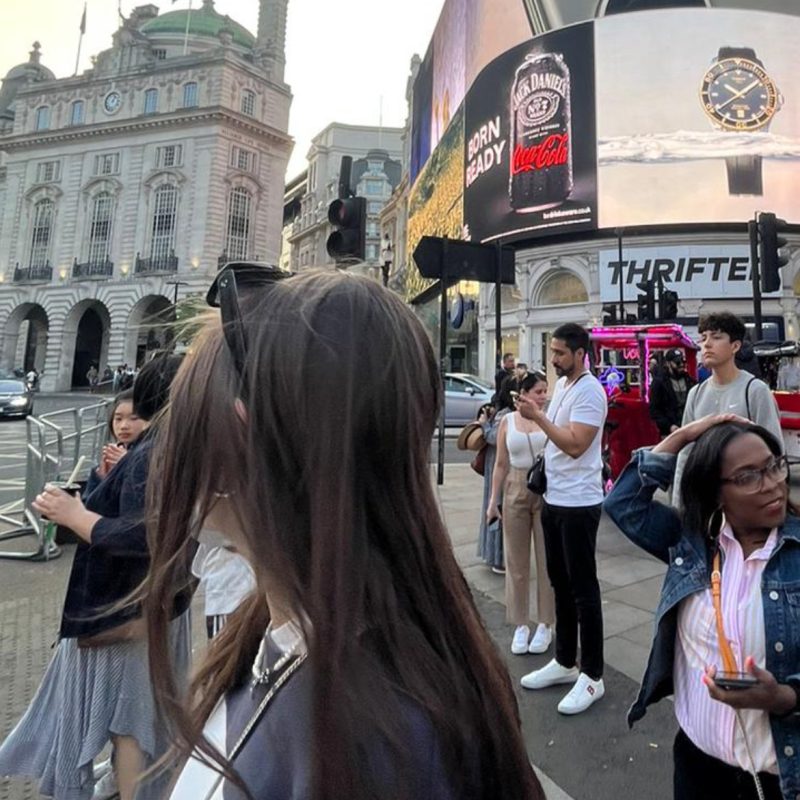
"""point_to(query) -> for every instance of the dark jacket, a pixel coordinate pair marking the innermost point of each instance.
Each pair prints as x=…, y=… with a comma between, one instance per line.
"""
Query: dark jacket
x=117, y=560
x=665, y=410
x=658, y=529
x=499, y=377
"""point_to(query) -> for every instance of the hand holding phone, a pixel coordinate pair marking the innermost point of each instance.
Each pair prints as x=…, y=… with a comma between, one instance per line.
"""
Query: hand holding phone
x=731, y=681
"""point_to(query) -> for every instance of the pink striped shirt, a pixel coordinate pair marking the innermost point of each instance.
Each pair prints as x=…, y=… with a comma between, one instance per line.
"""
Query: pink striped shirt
x=712, y=725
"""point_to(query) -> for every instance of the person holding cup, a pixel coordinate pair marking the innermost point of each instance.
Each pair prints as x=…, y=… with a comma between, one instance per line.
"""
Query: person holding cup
x=97, y=687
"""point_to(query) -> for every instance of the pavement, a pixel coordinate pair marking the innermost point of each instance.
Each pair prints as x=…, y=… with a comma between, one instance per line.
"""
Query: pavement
x=592, y=756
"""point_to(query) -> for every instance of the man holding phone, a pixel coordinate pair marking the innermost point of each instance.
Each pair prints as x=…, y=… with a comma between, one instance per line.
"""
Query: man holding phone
x=570, y=518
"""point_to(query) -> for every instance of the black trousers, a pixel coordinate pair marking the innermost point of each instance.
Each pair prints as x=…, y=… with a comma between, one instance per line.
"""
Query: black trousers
x=702, y=777
x=570, y=537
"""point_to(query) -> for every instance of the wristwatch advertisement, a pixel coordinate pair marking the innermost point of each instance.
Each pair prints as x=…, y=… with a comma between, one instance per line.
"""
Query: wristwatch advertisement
x=738, y=95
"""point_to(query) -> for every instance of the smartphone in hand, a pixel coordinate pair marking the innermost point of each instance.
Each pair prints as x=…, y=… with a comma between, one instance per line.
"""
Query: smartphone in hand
x=731, y=681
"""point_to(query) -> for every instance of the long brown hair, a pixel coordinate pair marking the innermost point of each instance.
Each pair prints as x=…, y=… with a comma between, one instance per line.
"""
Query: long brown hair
x=332, y=492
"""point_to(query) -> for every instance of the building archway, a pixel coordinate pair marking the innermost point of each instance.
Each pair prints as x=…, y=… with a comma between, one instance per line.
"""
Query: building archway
x=560, y=287
x=149, y=329
x=25, y=338
x=86, y=333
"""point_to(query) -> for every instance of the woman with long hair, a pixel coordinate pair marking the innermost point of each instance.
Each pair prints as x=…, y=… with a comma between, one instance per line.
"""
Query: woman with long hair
x=97, y=686
x=359, y=668
x=519, y=441
x=727, y=638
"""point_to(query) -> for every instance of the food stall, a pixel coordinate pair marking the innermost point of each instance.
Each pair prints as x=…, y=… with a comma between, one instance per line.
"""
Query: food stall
x=620, y=358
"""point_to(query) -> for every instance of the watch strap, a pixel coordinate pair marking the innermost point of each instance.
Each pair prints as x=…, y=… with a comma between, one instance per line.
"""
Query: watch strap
x=744, y=175
x=738, y=52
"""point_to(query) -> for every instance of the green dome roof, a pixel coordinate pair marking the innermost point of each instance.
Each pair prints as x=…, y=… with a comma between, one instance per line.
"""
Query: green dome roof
x=204, y=21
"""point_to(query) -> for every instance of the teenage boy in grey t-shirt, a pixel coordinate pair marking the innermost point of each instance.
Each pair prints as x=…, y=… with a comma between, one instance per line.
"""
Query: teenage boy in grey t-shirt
x=729, y=390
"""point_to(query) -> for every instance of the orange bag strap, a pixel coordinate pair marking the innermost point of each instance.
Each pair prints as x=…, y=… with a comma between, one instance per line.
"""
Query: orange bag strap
x=728, y=658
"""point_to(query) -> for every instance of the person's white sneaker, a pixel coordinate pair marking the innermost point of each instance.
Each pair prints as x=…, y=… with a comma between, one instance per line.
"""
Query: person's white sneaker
x=519, y=644
x=549, y=675
x=106, y=788
x=542, y=639
x=582, y=695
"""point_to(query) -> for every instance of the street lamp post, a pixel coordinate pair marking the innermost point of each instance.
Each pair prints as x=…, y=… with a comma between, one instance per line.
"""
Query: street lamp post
x=176, y=284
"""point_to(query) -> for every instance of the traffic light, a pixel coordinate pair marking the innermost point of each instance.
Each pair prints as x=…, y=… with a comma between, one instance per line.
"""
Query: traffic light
x=610, y=314
x=769, y=251
x=349, y=216
x=669, y=305
x=646, y=303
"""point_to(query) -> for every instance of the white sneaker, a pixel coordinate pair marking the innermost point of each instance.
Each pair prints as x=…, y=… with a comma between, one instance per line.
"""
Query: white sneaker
x=519, y=644
x=549, y=675
x=106, y=788
x=542, y=639
x=582, y=695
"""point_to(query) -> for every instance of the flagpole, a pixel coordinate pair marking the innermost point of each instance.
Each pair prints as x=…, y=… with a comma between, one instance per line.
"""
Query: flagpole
x=186, y=33
x=80, y=38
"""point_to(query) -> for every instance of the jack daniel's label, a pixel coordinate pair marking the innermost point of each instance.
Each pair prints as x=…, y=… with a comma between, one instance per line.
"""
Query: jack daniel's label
x=541, y=148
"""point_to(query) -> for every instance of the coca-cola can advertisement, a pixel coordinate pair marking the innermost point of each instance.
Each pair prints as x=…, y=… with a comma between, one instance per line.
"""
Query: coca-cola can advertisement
x=530, y=140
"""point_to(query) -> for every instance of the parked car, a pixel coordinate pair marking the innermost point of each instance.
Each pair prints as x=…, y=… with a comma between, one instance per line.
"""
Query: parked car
x=464, y=395
x=16, y=400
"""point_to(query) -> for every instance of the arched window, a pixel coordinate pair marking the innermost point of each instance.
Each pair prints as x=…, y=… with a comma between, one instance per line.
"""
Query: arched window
x=165, y=208
x=190, y=95
x=561, y=288
x=42, y=118
x=76, y=117
x=248, y=102
x=42, y=233
x=238, y=239
x=151, y=101
x=100, y=229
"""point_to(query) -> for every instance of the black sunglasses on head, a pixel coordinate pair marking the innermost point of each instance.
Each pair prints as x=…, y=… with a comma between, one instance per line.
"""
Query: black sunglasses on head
x=234, y=278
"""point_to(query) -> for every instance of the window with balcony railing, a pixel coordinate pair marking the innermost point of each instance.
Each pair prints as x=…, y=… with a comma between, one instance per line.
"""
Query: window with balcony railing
x=165, y=206
x=41, y=234
x=238, y=237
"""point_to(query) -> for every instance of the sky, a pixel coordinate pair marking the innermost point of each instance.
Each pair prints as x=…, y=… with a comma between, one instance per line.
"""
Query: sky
x=353, y=40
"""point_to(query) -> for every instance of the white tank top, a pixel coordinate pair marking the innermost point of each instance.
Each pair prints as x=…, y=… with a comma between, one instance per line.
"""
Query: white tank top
x=519, y=451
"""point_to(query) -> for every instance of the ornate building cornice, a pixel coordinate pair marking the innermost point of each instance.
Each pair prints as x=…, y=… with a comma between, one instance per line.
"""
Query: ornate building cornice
x=124, y=127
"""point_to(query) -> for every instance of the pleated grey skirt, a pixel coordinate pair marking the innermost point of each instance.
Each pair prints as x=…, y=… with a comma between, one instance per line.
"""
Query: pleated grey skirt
x=86, y=696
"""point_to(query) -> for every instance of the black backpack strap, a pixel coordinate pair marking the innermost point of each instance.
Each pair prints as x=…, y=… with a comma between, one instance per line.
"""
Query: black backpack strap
x=747, y=398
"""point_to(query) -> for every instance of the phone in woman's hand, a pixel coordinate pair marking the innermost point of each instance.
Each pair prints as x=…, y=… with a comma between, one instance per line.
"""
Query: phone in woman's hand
x=732, y=681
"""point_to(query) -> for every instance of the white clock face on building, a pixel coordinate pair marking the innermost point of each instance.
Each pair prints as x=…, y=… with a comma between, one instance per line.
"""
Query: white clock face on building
x=112, y=102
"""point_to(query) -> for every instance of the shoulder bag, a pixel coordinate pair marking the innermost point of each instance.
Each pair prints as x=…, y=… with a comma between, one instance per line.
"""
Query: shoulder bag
x=537, y=476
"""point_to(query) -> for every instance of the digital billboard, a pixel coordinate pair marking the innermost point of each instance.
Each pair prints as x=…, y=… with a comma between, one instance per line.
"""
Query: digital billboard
x=668, y=117
x=698, y=117
x=530, y=162
x=468, y=35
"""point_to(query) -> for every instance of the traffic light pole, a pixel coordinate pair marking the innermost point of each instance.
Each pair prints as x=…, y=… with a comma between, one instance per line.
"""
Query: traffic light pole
x=752, y=230
x=498, y=308
x=621, y=282
x=442, y=363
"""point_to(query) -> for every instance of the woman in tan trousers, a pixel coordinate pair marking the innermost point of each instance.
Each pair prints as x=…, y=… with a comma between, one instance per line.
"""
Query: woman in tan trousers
x=518, y=442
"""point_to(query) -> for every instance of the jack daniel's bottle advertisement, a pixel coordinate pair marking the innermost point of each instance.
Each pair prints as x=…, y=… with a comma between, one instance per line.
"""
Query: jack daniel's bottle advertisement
x=531, y=146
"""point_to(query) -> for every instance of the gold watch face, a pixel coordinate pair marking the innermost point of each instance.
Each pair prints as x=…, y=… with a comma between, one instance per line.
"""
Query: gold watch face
x=738, y=95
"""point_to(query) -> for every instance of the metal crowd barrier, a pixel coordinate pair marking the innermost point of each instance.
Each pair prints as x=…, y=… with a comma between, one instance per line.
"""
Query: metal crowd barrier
x=55, y=442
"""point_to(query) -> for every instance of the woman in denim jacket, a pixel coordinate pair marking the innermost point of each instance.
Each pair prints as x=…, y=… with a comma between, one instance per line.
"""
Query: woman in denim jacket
x=736, y=504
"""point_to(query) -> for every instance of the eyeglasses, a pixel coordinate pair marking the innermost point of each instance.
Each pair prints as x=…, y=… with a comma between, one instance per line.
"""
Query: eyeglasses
x=752, y=480
x=224, y=294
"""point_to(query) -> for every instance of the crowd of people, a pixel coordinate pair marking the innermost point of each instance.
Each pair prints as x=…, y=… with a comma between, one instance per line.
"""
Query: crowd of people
x=346, y=656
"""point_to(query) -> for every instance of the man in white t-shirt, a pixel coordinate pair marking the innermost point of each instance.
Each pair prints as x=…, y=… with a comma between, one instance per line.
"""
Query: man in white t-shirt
x=571, y=515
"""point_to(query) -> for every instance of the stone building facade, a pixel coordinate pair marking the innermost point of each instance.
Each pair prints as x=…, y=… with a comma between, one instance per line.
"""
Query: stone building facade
x=123, y=189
